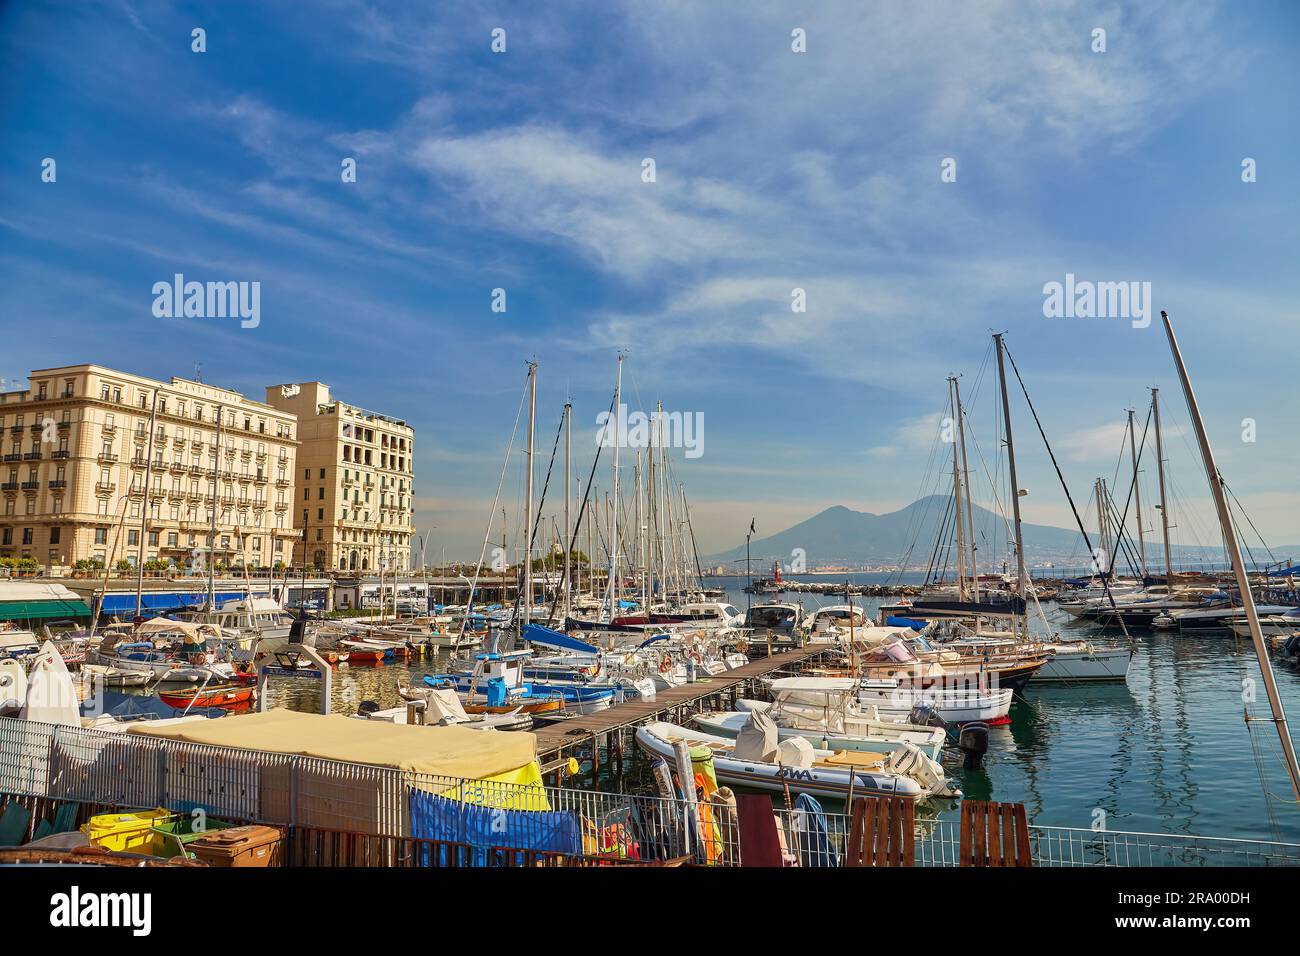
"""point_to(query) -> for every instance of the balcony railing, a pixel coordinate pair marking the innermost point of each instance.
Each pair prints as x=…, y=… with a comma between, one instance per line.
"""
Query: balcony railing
x=33, y=455
x=58, y=484
x=9, y=486
x=61, y=454
x=31, y=485
x=106, y=458
x=105, y=487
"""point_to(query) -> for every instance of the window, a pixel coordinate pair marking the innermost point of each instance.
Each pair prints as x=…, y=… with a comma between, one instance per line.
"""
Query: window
x=133, y=537
x=172, y=539
x=103, y=393
x=306, y=494
x=27, y=535
x=55, y=534
x=153, y=539
x=7, y=536
x=320, y=514
x=101, y=536
x=306, y=473
x=320, y=493
x=322, y=474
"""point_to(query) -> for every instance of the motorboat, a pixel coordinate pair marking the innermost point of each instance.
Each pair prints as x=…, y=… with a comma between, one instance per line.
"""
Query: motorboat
x=170, y=651
x=827, y=714
x=755, y=759
x=497, y=681
x=442, y=708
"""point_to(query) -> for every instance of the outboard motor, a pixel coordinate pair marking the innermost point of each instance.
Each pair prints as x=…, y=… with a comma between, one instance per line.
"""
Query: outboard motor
x=924, y=715
x=368, y=707
x=973, y=742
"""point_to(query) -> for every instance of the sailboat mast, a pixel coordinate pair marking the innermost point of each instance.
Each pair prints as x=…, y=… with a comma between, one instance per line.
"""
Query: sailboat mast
x=957, y=496
x=1137, y=494
x=1238, y=566
x=568, y=527
x=528, y=483
x=144, y=511
x=613, y=521
x=970, y=511
x=1015, y=486
x=212, y=520
x=1160, y=468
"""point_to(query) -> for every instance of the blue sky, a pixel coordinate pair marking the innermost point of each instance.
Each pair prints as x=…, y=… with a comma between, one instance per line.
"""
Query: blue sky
x=775, y=170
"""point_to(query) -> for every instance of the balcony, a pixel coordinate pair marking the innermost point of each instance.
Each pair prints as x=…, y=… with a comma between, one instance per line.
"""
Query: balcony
x=197, y=470
x=64, y=425
x=9, y=486
x=61, y=454
x=15, y=429
x=108, y=429
x=105, y=487
x=58, y=484
x=36, y=428
x=282, y=482
x=139, y=461
x=260, y=479
x=245, y=503
x=261, y=456
x=34, y=455
x=281, y=506
x=106, y=458
x=135, y=491
x=178, y=441
x=177, y=468
x=31, y=485
x=175, y=494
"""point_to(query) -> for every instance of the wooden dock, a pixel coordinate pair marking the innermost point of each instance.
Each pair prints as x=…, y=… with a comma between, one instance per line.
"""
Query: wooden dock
x=556, y=740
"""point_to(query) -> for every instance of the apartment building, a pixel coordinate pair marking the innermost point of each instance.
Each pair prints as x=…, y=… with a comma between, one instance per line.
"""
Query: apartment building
x=354, y=484
x=104, y=465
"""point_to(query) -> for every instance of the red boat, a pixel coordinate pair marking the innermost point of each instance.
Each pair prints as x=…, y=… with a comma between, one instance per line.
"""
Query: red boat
x=225, y=696
x=357, y=655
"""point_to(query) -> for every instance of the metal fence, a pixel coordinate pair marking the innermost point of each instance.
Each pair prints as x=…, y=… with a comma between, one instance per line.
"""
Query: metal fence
x=310, y=793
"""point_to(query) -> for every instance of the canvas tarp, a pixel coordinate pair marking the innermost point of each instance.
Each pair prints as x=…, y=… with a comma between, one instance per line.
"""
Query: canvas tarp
x=448, y=751
x=757, y=740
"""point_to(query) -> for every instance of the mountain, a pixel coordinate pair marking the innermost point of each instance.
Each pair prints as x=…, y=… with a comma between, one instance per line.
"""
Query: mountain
x=840, y=535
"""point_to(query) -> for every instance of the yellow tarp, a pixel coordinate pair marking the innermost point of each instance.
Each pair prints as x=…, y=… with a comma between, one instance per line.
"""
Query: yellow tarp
x=451, y=751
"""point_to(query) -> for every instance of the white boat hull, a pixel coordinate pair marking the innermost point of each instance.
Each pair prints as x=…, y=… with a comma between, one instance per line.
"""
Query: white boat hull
x=1091, y=665
x=821, y=781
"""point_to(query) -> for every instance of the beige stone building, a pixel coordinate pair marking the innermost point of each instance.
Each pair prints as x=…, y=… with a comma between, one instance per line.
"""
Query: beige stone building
x=81, y=468
x=353, y=487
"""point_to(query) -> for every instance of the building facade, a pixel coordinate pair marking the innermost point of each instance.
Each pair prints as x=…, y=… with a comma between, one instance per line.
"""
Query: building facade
x=84, y=476
x=354, y=484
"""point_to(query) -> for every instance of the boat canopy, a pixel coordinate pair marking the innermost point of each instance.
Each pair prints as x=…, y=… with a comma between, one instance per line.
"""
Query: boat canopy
x=1283, y=572
x=813, y=685
x=193, y=633
x=537, y=634
x=446, y=751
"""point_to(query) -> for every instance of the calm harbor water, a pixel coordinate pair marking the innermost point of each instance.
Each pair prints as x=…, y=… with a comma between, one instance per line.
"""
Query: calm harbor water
x=1168, y=752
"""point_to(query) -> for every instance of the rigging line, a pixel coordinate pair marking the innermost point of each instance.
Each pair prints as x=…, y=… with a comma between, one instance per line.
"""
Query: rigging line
x=1105, y=583
x=1242, y=509
x=582, y=510
x=469, y=604
x=537, y=518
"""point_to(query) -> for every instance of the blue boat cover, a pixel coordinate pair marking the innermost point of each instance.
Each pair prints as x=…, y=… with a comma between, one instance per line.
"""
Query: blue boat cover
x=815, y=848
x=536, y=634
x=486, y=828
x=654, y=640
x=905, y=622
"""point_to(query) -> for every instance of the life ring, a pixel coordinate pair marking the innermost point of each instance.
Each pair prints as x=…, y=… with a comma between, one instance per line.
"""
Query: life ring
x=696, y=657
x=666, y=664
x=742, y=647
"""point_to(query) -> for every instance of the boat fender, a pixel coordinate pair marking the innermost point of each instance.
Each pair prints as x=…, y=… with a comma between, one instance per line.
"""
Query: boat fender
x=973, y=741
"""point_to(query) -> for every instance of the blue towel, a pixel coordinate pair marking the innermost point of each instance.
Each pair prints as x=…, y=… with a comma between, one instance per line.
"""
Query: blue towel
x=453, y=821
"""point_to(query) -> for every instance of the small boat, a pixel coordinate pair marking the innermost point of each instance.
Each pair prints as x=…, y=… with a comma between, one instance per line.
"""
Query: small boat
x=360, y=654
x=220, y=696
x=442, y=708
x=829, y=717
x=497, y=680
x=795, y=765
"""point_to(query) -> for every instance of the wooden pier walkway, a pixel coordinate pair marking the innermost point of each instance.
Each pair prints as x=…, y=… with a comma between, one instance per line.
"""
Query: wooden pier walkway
x=554, y=740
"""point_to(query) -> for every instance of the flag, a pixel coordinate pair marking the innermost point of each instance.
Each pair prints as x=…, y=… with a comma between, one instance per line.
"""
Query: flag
x=751, y=525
